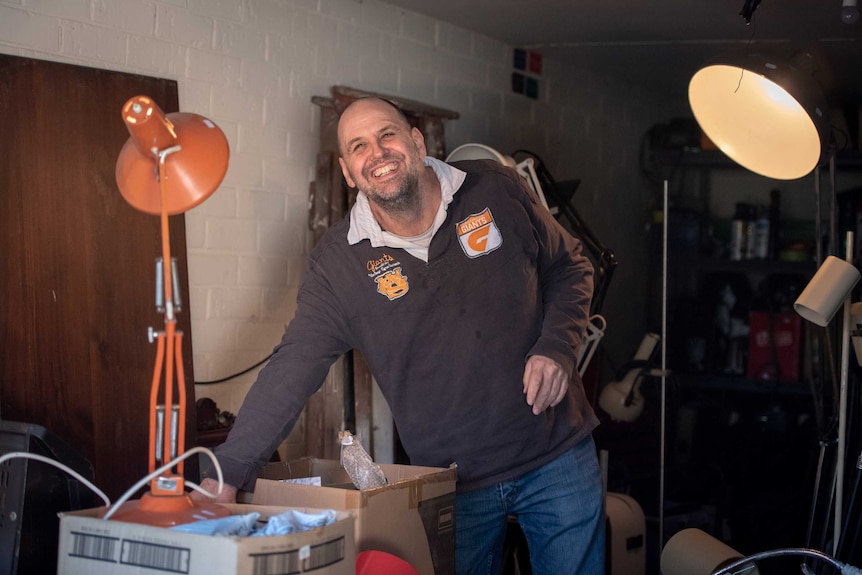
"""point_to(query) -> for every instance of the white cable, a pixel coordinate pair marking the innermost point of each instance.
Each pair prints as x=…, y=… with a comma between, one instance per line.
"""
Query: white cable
x=132, y=490
x=67, y=469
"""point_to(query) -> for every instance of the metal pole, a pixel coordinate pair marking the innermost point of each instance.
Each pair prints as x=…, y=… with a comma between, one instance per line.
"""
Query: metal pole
x=663, y=371
x=842, y=409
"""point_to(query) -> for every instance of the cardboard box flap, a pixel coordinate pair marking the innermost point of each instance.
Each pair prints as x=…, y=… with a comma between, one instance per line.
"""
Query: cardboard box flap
x=332, y=474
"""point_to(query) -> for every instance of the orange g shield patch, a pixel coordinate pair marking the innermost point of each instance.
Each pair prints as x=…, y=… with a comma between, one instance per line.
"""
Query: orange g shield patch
x=479, y=234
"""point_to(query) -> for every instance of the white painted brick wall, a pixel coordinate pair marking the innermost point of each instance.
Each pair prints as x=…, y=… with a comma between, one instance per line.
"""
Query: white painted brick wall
x=253, y=67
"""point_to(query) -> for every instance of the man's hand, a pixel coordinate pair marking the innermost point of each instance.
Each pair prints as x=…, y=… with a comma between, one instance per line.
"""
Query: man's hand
x=545, y=383
x=227, y=495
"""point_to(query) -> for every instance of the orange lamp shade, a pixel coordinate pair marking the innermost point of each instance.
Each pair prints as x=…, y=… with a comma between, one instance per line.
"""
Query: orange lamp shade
x=194, y=149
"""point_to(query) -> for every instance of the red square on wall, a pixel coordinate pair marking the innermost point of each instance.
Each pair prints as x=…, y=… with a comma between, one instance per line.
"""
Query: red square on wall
x=774, y=346
x=535, y=63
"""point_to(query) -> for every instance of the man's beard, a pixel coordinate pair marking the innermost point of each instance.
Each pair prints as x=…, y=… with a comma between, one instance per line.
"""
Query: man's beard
x=405, y=200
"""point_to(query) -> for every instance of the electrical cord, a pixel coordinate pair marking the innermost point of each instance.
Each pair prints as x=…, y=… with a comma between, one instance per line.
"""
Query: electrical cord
x=136, y=486
x=228, y=378
x=67, y=469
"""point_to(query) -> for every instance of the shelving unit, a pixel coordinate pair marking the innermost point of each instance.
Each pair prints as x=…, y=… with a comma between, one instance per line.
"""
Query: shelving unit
x=741, y=451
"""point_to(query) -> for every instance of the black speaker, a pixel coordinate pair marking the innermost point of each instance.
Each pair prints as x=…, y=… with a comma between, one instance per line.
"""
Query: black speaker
x=32, y=493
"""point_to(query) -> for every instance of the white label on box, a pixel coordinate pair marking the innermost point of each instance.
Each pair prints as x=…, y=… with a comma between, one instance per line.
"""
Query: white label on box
x=304, y=481
x=161, y=557
x=88, y=546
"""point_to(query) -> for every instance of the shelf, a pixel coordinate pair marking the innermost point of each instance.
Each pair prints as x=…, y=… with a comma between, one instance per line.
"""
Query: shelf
x=719, y=382
x=717, y=159
x=759, y=266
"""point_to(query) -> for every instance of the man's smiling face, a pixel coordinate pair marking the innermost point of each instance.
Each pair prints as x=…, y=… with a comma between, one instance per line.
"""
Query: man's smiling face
x=381, y=154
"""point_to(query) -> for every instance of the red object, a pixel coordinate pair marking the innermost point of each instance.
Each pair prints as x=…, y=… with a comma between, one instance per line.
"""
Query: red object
x=535, y=63
x=382, y=563
x=773, y=346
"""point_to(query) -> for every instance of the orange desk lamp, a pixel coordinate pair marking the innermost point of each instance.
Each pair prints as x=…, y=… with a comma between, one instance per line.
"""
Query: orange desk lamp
x=170, y=164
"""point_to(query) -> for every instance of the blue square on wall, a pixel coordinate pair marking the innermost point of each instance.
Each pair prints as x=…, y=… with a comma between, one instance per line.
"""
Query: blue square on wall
x=520, y=61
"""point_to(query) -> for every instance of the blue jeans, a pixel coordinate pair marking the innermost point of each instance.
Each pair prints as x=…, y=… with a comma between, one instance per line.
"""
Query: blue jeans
x=558, y=507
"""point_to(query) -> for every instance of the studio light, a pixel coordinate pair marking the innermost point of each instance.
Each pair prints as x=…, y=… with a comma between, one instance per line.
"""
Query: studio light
x=170, y=164
x=767, y=114
x=695, y=552
x=829, y=290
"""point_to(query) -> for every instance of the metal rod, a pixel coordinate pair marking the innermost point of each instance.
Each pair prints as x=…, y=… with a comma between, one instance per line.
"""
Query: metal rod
x=815, y=495
x=175, y=422
x=842, y=407
x=175, y=277
x=160, y=426
x=160, y=282
x=663, y=370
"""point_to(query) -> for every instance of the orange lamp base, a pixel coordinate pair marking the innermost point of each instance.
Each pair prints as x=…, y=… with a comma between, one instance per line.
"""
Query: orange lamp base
x=167, y=510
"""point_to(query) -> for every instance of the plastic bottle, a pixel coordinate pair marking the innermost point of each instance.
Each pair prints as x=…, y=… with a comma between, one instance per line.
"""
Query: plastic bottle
x=737, y=233
x=362, y=470
x=774, y=224
x=749, y=246
x=761, y=233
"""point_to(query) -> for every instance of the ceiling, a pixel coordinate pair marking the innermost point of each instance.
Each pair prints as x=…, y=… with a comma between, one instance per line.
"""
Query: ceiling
x=663, y=42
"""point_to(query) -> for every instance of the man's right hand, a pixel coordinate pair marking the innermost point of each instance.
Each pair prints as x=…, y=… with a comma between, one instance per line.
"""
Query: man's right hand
x=227, y=495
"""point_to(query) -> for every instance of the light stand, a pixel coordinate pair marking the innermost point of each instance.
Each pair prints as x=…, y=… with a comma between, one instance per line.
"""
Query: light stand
x=829, y=289
x=169, y=165
x=525, y=168
x=771, y=117
x=605, y=258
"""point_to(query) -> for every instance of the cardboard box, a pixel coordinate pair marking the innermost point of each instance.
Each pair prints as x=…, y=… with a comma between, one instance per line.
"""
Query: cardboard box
x=773, y=346
x=412, y=517
x=93, y=546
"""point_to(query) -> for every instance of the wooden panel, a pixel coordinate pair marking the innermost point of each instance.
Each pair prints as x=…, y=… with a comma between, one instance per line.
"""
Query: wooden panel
x=325, y=414
x=330, y=200
x=363, y=390
x=78, y=273
x=318, y=218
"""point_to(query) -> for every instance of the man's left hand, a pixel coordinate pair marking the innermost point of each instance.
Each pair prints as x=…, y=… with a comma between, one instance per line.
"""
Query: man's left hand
x=545, y=383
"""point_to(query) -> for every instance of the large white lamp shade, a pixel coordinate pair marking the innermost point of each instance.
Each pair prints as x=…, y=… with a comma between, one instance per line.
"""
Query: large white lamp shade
x=765, y=113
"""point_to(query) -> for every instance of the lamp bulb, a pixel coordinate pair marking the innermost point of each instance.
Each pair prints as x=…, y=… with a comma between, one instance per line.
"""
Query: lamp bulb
x=849, y=12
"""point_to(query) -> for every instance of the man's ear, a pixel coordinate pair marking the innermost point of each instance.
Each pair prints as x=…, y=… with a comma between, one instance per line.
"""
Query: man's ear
x=419, y=140
x=346, y=174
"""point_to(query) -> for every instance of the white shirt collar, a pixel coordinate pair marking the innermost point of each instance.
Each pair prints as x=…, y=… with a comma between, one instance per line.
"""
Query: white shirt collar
x=363, y=226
